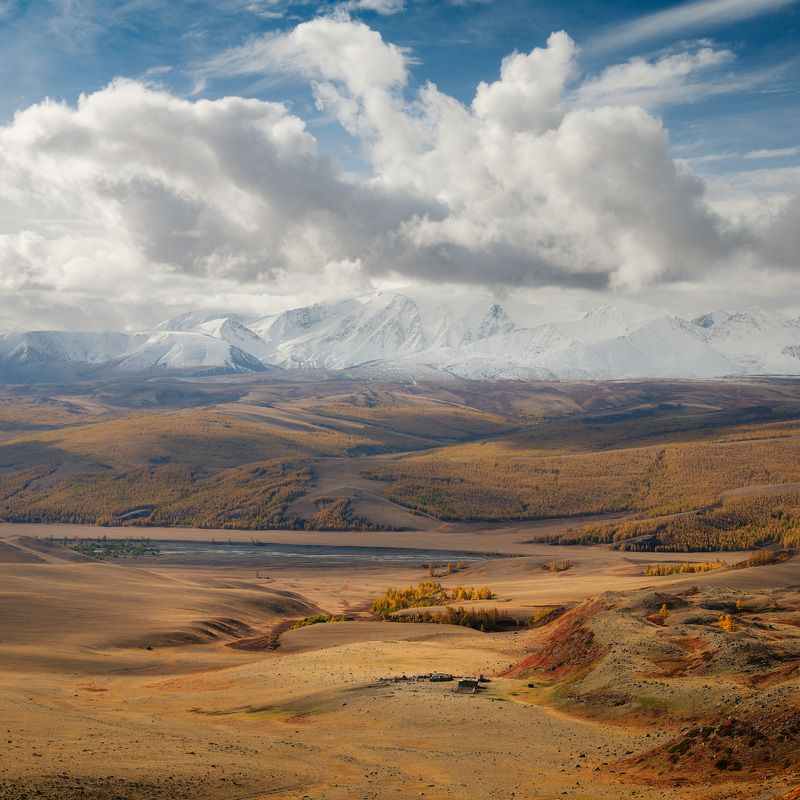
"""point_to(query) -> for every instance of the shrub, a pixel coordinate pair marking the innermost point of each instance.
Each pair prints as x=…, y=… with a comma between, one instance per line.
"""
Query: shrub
x=727, y=623
x=427, y=593
x=559, y=566
x=481, y=619
x=317, y=619
x=686, y=566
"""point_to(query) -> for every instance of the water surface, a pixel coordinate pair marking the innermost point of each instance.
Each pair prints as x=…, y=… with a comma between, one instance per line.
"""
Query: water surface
x=270, y=554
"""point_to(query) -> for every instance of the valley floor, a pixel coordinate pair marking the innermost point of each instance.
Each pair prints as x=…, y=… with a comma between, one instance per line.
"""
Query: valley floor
x=117, y=678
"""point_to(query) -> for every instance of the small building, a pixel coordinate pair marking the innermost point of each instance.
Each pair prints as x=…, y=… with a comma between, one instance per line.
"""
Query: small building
x=470, y=685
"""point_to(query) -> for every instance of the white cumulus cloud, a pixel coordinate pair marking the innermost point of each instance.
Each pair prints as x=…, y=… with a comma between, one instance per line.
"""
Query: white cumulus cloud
x=135, y=197
x=536, y=188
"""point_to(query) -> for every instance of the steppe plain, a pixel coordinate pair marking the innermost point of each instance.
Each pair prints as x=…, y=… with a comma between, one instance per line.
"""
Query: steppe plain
x=175, y=674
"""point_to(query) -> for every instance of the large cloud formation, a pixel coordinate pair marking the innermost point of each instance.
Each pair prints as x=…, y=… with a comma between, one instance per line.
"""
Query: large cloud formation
x=135, y=192
x=119, y=197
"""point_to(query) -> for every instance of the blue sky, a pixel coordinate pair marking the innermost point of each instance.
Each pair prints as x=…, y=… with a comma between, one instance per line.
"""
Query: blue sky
x=60, y=48
x=259, y=154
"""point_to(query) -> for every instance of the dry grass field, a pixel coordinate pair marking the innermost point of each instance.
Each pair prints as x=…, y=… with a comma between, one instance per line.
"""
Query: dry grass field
x=507, y=479
x=221, y=465
x=201, y=585
x=349, y=454
x=118, y=679
x=738, y=523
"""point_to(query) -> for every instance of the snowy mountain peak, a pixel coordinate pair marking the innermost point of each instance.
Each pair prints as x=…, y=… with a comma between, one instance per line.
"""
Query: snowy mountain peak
x=467, y=336
x=297, y=319
x=495, y=321
x=610, y=320
x=190, y=320
x=712, y=320
x=754, y=317
x=623, y=312
x=390, y=330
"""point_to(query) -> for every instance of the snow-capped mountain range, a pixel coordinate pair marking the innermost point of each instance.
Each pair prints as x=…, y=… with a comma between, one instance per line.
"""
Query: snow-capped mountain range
x=395, y=333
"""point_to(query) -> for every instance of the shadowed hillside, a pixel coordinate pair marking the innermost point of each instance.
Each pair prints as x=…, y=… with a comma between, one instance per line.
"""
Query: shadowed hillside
x=358, y=455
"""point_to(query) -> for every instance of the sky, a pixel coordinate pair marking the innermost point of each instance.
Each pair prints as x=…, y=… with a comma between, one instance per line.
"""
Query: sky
x=255, y=155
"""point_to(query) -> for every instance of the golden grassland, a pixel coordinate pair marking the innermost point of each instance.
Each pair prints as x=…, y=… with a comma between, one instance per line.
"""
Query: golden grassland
x=200, y=658
x=437, y=422
x=242, y=463
x=12, y=483
x=251, y=496
x=238, y=467
x=201, y=439
x=243, y=429
x=652, y=423
x=337, y=514
x=503, y=479
x=680, y=693
x=740, y=523
x=41, y=412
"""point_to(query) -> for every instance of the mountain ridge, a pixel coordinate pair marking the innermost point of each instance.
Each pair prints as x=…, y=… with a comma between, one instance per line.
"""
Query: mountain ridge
x=477, y=337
